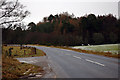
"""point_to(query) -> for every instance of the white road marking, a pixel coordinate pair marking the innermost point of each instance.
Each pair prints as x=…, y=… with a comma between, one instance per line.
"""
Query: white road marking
x=77, y=57
x=94, y=62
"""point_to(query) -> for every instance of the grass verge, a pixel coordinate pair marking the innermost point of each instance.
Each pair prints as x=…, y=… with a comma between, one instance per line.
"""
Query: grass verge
x=12, y=68
x=96, y=51
x=113, y=48
x=107, y=54
x=17, y=52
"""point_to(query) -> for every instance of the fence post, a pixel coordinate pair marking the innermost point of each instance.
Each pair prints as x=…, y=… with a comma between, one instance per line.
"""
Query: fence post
x=10, y=51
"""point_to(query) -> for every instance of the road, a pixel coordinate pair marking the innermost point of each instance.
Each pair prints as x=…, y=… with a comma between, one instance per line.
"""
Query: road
x=71, y=64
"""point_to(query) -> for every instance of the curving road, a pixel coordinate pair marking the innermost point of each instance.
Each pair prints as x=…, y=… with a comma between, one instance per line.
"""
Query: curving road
x=71, y=64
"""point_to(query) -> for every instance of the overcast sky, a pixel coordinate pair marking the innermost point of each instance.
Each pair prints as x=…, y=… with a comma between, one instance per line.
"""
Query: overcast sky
x=43, y=8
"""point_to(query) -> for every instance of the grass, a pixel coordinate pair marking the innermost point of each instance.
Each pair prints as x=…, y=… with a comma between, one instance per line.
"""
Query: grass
x=12, y=68
x=24, y=52
x=110, y=50
x=113, y=48
x=96, y=51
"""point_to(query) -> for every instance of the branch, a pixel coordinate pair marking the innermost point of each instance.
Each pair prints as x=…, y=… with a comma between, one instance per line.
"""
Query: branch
x=6, y=13
x=11, y=12
x=2, y=3
x=11, y=21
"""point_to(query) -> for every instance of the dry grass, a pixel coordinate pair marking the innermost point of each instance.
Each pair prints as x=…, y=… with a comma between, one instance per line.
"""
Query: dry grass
x=107, y=54
x=25, y=52
x=12, y=68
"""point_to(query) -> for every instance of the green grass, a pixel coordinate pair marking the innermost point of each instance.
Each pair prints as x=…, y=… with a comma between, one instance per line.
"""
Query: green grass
x=110, y=50
x=113, y=48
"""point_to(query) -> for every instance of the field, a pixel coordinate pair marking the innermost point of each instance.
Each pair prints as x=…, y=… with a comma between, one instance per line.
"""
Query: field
x=113, y=48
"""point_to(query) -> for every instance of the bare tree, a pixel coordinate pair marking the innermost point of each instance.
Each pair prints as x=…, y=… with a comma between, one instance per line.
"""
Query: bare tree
x=11, y=11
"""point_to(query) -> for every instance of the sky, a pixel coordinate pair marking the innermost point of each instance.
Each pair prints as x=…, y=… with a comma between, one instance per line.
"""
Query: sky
x=43, y=8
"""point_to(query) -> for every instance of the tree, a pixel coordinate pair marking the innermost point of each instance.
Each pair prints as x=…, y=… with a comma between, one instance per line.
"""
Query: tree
x=45, y=19
x=67, y=28
x=92, y=20
x=32, y=26
x=45, y=27
x=98, y=38
x=50, y=18
x=84, y=27
x=113, y=37
x=11, y=12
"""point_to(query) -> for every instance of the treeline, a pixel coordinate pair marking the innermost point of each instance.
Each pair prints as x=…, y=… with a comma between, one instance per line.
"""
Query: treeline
x=66, y=30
